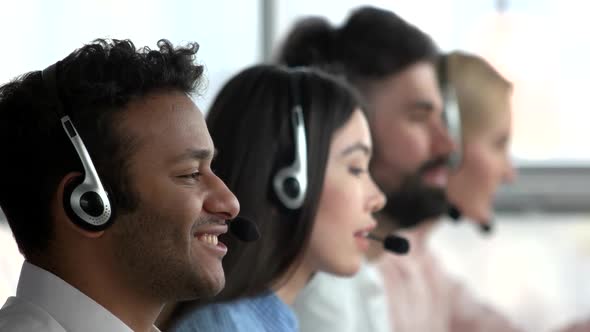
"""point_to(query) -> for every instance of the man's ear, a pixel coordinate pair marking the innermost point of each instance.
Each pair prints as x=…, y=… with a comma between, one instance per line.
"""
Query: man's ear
x=59, y=209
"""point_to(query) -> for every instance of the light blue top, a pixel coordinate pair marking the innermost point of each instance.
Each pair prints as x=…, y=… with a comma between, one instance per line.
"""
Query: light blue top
x=263, y=313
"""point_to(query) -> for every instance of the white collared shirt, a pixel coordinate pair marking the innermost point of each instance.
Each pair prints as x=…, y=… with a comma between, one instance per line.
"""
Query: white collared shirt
x=44, y=302
x=345, y=304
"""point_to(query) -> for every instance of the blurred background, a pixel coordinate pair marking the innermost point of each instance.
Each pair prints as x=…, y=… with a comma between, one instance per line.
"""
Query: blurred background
x=535, y=268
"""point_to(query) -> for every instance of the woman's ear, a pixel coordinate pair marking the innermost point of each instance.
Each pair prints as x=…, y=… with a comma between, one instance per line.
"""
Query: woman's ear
x=60, y=206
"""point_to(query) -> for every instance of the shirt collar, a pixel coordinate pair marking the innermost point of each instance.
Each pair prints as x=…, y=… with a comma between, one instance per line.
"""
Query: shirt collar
x=71, y=308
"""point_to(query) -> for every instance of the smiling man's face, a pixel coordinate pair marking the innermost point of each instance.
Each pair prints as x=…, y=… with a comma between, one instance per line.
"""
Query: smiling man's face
x=168, y=244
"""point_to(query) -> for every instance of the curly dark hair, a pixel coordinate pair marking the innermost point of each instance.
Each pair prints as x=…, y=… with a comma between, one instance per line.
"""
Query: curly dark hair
x=94, y=85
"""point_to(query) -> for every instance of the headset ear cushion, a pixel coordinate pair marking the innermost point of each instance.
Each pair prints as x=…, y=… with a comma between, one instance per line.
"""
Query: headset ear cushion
x=291, y=187
x=68, y=190
x=76, y=219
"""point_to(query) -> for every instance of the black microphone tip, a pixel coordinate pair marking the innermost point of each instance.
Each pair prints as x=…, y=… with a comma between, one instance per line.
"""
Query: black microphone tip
x=396, y=244
x=486, y=228
x=454, y=212
x=244, y=229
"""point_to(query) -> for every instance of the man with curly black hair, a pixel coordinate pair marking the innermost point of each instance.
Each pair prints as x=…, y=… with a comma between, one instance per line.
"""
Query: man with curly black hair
x=107, y=188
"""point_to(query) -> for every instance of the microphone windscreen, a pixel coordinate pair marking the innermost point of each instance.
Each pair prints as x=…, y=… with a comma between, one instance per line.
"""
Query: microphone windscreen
x=454, y=212
x=486, y=228
x=396, y=244
x=244, y=229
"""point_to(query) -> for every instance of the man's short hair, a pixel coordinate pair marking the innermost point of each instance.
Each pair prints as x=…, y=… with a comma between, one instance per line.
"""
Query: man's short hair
x=94, y=85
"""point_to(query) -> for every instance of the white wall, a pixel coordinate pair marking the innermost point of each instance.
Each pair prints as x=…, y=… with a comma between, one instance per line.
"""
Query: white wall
x=534, y=268
x=36, y=33
x=540, y=45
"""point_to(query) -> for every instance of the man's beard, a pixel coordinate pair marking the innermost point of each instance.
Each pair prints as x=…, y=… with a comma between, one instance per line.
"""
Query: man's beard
x=415, y=201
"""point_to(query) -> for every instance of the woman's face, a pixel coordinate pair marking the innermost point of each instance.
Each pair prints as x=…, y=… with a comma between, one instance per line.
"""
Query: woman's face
x=485, y=165
x=347, y=202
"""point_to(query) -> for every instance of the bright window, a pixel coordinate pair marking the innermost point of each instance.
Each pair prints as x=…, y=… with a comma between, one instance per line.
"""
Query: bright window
x=538, y=45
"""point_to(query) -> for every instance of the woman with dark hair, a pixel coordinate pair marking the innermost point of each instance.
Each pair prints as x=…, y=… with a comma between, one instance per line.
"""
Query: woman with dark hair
x=393, y=64
x=294, y=146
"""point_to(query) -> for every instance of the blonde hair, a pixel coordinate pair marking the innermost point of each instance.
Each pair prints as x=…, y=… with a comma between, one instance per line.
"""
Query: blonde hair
x=480, y=90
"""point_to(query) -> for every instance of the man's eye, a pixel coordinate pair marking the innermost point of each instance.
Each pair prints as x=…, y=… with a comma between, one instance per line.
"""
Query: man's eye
x=419, y=116
x=193, y=176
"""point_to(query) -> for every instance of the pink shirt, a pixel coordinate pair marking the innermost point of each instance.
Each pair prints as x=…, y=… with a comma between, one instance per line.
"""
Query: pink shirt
x=581, y=326
x=422, y=297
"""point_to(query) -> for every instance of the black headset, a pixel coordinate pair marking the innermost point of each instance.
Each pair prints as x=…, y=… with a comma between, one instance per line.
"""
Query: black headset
x=290, y=183
x=85, y=200
x=451, y=113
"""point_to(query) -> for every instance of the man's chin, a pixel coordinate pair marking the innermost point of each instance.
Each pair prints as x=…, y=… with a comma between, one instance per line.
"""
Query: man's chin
x=203, y=286
x=216, y=283
x=414, y=204
x=217, y=289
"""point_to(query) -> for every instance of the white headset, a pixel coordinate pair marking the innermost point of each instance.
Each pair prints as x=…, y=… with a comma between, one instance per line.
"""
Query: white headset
x=290, y=183
x=85, y=200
